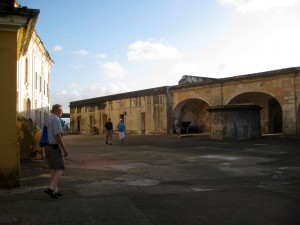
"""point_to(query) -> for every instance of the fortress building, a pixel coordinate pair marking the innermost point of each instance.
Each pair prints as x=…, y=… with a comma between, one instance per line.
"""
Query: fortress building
x=153, y=111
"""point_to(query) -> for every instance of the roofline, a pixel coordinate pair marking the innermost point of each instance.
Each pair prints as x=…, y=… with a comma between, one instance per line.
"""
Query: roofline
x=271, y=73
x=22, y=20
x=132, y=94
x=40, y=44
x=165, y=89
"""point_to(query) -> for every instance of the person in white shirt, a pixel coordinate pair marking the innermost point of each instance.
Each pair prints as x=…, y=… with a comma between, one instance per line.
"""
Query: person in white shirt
x=55, y=151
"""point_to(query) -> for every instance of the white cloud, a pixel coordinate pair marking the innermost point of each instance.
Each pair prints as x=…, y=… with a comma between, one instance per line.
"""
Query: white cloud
x=82, y=52
x=60, y=92
x=57, y=48
x=245, y=6
x=140, y=51
x=100, y=89
x=71, y=92
x=64, y=97
x=113, y=69
x=254, y=42
x=101, y=56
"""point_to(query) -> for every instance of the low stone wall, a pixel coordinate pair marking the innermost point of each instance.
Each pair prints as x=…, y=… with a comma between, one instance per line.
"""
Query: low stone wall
x=235, y=122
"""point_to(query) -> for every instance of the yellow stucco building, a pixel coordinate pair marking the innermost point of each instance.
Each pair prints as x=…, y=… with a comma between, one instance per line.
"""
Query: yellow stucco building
x=25, y=77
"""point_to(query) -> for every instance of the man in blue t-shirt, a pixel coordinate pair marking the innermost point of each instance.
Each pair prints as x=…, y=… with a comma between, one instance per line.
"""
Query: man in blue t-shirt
x=109, y=131
x=121, y=127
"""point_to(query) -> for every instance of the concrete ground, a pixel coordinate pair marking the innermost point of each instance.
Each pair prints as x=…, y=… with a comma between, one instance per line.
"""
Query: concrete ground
x=162, y=180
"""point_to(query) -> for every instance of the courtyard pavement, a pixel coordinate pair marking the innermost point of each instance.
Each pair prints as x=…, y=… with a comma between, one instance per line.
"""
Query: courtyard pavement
x=162, y=180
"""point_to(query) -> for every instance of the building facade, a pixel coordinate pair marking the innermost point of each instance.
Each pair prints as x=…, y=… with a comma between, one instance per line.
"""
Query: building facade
x=144, y=112
x=16, y=27
x=25, y=72
x=154, y=110
x=33, y=81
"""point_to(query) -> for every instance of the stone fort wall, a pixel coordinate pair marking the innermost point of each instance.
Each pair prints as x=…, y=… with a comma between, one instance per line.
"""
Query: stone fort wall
x=155, y=110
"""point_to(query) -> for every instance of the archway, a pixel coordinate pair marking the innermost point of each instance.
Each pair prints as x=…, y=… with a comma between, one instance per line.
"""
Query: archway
x=271, y=113
x=195, y=111
x=28, y=108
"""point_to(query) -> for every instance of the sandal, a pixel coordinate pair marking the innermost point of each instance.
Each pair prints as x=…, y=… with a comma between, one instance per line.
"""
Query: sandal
x=51, y=193
x=58, y=194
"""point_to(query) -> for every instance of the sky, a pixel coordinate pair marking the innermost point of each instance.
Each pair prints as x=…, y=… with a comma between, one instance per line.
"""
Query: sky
x=105, y=47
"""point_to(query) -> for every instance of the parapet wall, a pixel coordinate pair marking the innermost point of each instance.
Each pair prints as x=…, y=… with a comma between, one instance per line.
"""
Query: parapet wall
x=235, y=122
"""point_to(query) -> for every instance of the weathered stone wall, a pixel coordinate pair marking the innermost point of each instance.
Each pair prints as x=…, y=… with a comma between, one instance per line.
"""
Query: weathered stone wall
x=262, y=89
x=146, y=114
x=280, y=87
x=209, y=92
x=277, y=92
x=235, y=122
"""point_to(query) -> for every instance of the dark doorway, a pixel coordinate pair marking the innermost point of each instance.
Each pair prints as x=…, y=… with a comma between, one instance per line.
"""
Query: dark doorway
x=275, y=116
x=78, y=124
x=195, y=112
x=143, y=123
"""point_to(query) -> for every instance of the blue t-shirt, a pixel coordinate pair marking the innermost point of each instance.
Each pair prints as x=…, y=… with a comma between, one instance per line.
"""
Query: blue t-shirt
x=108, y=125
x=121, y=127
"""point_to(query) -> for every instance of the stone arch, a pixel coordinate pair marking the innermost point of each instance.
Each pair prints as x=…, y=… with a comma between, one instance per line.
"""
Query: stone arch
x=195, y=111
x=271, y=113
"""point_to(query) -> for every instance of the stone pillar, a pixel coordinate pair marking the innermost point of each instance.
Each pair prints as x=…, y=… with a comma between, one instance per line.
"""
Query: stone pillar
x=289, y=120
x=12, y=42
x=235, y=122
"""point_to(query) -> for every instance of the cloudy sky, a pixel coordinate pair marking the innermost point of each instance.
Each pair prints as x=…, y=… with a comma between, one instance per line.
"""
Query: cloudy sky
x=104, y=47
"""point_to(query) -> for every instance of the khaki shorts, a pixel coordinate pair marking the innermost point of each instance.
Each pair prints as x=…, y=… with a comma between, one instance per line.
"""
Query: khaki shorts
x=54, y=158
x=109, y=132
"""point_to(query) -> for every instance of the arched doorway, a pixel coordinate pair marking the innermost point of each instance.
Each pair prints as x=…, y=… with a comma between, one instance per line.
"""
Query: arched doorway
x=28, y=108
x=275, y=116
x=271, y=113
x=194, y=111
x=78, y=123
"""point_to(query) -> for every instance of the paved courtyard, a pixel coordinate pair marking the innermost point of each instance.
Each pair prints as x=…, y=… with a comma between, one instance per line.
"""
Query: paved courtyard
x=162, y=180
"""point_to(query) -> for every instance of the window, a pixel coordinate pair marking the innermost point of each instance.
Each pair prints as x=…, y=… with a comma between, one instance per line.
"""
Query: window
x=44, y=87
x=40, y=84
x=28, y=108
x=26, y=71
x=91, y=121
x=42, y=75
x=91, y=108
x=36, y=81
x=48, y=92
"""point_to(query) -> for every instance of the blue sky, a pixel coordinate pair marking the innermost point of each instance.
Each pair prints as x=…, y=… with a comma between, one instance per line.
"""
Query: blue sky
x=104, y=47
